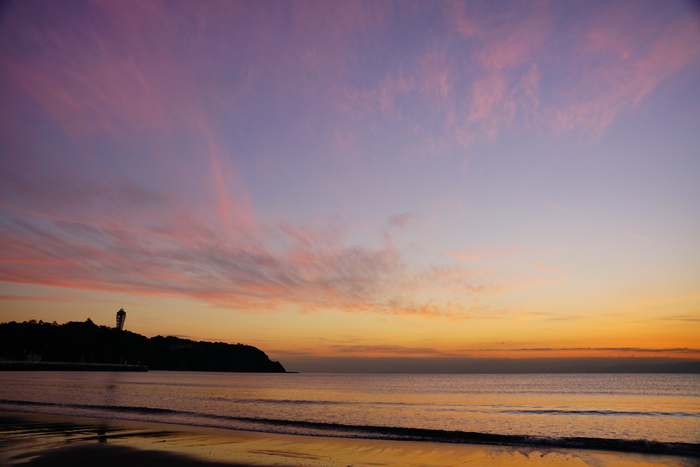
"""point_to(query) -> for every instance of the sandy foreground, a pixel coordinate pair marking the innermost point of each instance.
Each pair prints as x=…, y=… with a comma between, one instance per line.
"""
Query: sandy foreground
x=49, y=440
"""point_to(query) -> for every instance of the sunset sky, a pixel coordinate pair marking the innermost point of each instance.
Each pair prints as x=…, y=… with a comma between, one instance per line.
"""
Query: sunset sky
x=358, y=179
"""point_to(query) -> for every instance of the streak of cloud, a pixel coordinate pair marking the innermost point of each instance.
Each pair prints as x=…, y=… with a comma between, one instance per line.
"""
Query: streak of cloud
x=313, y=271
x=638, y=236
x=545, y=268
x=684, y=350
x=463, y=256
x=689, y=318
x=620, y=67
x=385, y=349
x=192, y=150
x=33, y=299
x=401, y=220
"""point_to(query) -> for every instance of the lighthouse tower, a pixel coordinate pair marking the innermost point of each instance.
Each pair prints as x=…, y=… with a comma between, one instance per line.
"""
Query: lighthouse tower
x=121, y=317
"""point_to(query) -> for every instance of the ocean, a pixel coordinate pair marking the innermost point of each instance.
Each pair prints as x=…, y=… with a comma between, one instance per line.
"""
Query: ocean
x=628, y=412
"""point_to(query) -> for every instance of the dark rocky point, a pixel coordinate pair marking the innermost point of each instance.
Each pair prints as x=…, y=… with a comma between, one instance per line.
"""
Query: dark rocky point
x=86, y=342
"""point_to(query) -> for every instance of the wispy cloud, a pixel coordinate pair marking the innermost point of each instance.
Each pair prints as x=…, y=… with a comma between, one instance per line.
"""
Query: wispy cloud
x=638, y=236
x=416, y=352
x=463, y=256
x=309, y=269
x=621, y=59
x=385, y=349
x=545, y=268
x=33, y=299
x=686, y=317
x=620, y=66
x=683, y=350
x=478, y=254
x=124, y=168
x=401, y=220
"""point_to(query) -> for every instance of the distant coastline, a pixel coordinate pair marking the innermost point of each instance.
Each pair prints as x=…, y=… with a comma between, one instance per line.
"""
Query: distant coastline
x=494, y=365
x=14, y=365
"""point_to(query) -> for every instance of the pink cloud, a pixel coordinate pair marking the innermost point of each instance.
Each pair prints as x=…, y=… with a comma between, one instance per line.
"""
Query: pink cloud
x=149, y=196
x=385, y=349
x=463, y=256
x=621, y=64
x=484, y=79
x=401, y=220
x=619, y=61
x=638, y=236
x=33, y=299
x=310, y=269
x=546, y=268
x=121, y=84
x=480, y=253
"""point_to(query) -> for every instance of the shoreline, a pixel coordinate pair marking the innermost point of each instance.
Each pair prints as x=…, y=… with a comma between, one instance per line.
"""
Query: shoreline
x=59, y=440
x=335, y=430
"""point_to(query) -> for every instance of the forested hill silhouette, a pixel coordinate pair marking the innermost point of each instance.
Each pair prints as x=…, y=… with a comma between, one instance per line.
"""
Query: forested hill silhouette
x=89, y=343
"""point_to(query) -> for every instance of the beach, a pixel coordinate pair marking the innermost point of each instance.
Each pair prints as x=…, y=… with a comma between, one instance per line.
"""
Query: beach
x=50, y=440
x=189, y=418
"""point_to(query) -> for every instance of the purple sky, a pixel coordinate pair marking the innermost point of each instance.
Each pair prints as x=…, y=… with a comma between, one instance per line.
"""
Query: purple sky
x=356, y=178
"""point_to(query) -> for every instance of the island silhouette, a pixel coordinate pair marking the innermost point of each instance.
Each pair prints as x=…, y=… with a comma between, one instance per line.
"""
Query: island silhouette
x=87, y=343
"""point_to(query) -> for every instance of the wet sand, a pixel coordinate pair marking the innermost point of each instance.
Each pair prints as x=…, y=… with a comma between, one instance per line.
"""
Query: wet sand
x=46, y=440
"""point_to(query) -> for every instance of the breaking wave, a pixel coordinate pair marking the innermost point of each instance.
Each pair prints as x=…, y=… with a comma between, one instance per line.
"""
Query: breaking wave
x=311, y=428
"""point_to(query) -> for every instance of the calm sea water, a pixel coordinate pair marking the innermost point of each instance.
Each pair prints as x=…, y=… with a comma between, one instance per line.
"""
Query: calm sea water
x=542, y=407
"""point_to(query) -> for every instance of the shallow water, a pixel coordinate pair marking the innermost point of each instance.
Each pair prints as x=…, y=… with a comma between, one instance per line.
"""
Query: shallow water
x=50, y=440
x=540, y=408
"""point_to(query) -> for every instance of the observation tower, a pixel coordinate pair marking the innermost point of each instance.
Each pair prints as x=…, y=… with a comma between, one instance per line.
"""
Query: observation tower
x=121, y=317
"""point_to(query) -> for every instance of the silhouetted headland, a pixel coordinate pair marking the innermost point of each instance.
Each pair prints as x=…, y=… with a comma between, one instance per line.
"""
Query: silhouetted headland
x=33, y=345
